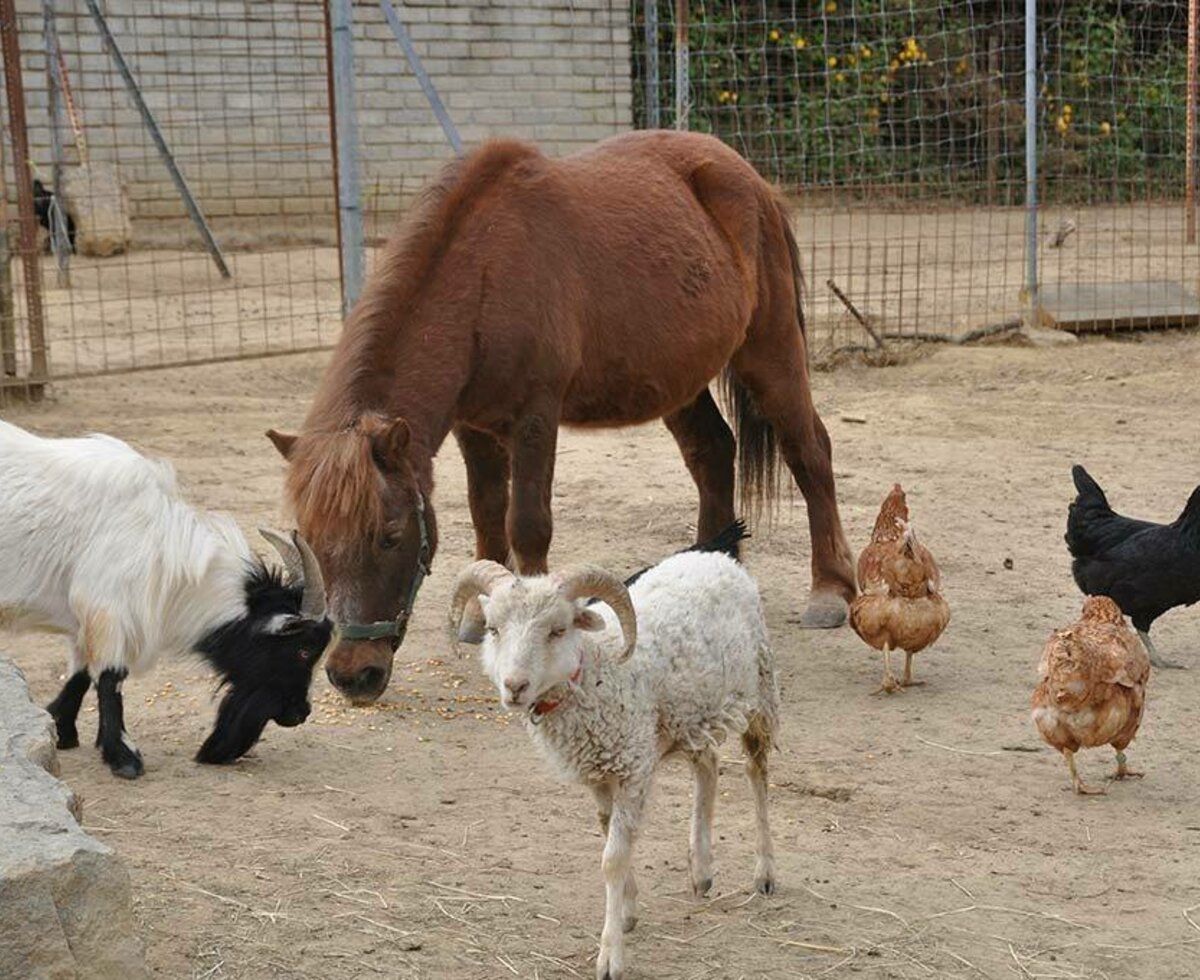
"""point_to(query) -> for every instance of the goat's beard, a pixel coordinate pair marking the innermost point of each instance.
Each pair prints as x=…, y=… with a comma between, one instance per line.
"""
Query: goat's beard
x=240, y=722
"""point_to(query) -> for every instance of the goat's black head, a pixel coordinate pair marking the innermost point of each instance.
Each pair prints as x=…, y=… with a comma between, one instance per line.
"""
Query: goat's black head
x=266, y=657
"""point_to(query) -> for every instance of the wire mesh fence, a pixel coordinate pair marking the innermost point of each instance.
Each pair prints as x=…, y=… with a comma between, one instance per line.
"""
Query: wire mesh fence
x=901, y=128
x=234, y=257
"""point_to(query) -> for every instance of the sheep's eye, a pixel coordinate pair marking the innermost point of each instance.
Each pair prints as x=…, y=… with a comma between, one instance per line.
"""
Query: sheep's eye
x=558, y=632
x=491, y=631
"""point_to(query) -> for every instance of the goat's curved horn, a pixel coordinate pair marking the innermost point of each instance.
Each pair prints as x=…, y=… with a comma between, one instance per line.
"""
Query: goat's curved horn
x=591, y=582
x=293, y=564
x=478, y=578
x=312, y=605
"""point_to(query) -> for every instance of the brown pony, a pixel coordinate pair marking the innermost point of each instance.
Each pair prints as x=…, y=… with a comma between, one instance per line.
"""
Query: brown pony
x=521, y=293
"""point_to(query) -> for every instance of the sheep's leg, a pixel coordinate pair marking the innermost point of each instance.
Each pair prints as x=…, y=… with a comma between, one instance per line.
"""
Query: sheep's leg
x=707, y=446
x=604, y=804
x=530, y=522
x=700, y=862
x=64, y=709
x=1155, y=659
x=623, y=824
x=118, y=751
x=756, y=741
x=1080, y=786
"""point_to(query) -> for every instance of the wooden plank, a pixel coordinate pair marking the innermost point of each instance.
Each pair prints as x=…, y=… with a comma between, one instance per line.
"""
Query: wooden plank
x=1103, y=306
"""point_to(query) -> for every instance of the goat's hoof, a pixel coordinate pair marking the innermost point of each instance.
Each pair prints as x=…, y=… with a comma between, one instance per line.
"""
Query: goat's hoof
x=127, y=766
x=609, y=967
x=701, y=888
x=68, y=738
x=825, y=611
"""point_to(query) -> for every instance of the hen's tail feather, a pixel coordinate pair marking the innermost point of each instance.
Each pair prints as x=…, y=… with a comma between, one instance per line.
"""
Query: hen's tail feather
x=1088, y=509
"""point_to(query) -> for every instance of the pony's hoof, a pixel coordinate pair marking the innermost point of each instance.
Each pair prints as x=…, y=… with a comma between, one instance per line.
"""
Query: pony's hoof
x=825, y=612
x=68, y=738
x=127, y=764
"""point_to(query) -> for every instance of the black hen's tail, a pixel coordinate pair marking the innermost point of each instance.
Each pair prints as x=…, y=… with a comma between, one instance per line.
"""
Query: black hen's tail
x=1087, y=514
x=726, y=541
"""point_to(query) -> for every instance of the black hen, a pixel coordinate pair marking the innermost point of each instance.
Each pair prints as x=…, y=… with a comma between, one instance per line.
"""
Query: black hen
x=1145, y=568
x=726, y=541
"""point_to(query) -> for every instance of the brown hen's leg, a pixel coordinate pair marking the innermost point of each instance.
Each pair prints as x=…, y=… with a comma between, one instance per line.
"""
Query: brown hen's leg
x=908, y=681
x=1123, y=771
x=1080, y=786
x=889, y=685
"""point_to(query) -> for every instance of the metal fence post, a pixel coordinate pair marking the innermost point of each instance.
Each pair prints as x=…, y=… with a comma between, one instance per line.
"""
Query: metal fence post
x=59, y=238
x=653, y=110
x=15, y=91
x=350, y=218
x=423, y=79
x=682, y=82
x=1189, y=190
x=1031, y=158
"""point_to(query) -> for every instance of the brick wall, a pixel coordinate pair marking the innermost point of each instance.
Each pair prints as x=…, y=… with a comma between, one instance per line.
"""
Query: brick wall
x=239, y=89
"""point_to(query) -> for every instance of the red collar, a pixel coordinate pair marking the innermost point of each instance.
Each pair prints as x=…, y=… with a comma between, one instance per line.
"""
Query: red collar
x=547, y=705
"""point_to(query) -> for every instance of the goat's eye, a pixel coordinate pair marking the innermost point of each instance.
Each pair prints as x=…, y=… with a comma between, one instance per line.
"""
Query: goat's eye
x=558, y=632
x=491, y=631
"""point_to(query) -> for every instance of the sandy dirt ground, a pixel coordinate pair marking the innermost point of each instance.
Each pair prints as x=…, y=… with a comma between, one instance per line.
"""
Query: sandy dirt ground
x=926, y=834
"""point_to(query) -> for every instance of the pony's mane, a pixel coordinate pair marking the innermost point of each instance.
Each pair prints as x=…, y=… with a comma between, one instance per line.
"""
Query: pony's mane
x=426, y=231
x=335, y=487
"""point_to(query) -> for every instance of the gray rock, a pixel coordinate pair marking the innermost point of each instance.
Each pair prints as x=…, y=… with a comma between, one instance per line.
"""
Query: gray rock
x=65, y=906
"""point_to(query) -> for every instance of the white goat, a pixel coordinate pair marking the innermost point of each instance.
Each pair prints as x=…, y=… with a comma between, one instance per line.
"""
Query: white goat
x=97, y=543
x=694, y=666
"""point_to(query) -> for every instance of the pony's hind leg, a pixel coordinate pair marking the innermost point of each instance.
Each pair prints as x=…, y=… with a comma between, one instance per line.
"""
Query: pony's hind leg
x=707, y=446
x=530, y=522
x=777, y=379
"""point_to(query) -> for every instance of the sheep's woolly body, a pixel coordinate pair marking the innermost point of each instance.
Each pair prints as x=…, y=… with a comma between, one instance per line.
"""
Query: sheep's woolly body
x=702, y=669
x=99, y=545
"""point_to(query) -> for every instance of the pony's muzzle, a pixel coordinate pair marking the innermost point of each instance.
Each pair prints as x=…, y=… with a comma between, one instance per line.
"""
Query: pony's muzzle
x=360, y=669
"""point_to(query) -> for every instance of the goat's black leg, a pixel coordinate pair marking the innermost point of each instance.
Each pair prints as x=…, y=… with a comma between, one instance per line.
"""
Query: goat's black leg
x=64, y=709
x=118, y=751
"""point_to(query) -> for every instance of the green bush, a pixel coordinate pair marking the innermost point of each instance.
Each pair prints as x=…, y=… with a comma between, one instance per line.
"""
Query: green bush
x=919, y=99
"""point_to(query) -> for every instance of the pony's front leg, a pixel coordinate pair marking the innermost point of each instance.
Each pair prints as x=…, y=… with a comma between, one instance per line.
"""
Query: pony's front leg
x=530, y=523
x=488, y=471
x=628, y=804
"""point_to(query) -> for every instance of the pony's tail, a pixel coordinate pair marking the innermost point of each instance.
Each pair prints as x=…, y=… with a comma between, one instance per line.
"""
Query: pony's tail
x=758, y=455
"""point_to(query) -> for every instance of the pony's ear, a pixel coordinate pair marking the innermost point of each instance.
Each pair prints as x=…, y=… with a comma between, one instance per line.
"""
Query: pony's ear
x=283, y=442
x=388, y=442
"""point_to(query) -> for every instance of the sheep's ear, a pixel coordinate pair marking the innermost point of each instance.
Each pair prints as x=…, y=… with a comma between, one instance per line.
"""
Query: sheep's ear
x=589, y=620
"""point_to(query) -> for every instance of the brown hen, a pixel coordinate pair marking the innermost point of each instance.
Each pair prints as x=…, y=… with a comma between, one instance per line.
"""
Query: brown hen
x=906, y=611
x=1093, y=686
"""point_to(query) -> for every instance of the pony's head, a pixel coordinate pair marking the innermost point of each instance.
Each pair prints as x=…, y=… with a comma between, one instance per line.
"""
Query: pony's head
x=357, y=500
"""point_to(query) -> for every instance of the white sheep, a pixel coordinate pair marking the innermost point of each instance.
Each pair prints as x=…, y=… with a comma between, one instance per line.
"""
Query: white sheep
x=694, y=665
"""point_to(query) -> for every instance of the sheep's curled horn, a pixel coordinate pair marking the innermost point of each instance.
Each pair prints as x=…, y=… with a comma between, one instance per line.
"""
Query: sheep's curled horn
x=301, y=565
x=576, y=582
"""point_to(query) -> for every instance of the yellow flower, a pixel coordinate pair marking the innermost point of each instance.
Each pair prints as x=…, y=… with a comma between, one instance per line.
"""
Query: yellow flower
x=962, y=67
x=1067, y=111
x=1062, y=125
x=872, y=112
x=884, y=97
x=1121, y=117
x=831, y=7
x=733, y=97
x=924, y=55
x=865, y=52
x=831, y=61
x=894, y=65
x=911, y=45
x=774, y=35
x=852, y=60
x=723, y=97
x=839, y=77
x=1105, y=128
x=801, y=44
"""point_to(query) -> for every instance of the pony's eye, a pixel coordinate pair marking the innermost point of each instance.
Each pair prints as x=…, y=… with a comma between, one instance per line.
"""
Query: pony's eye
x=389, y=542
